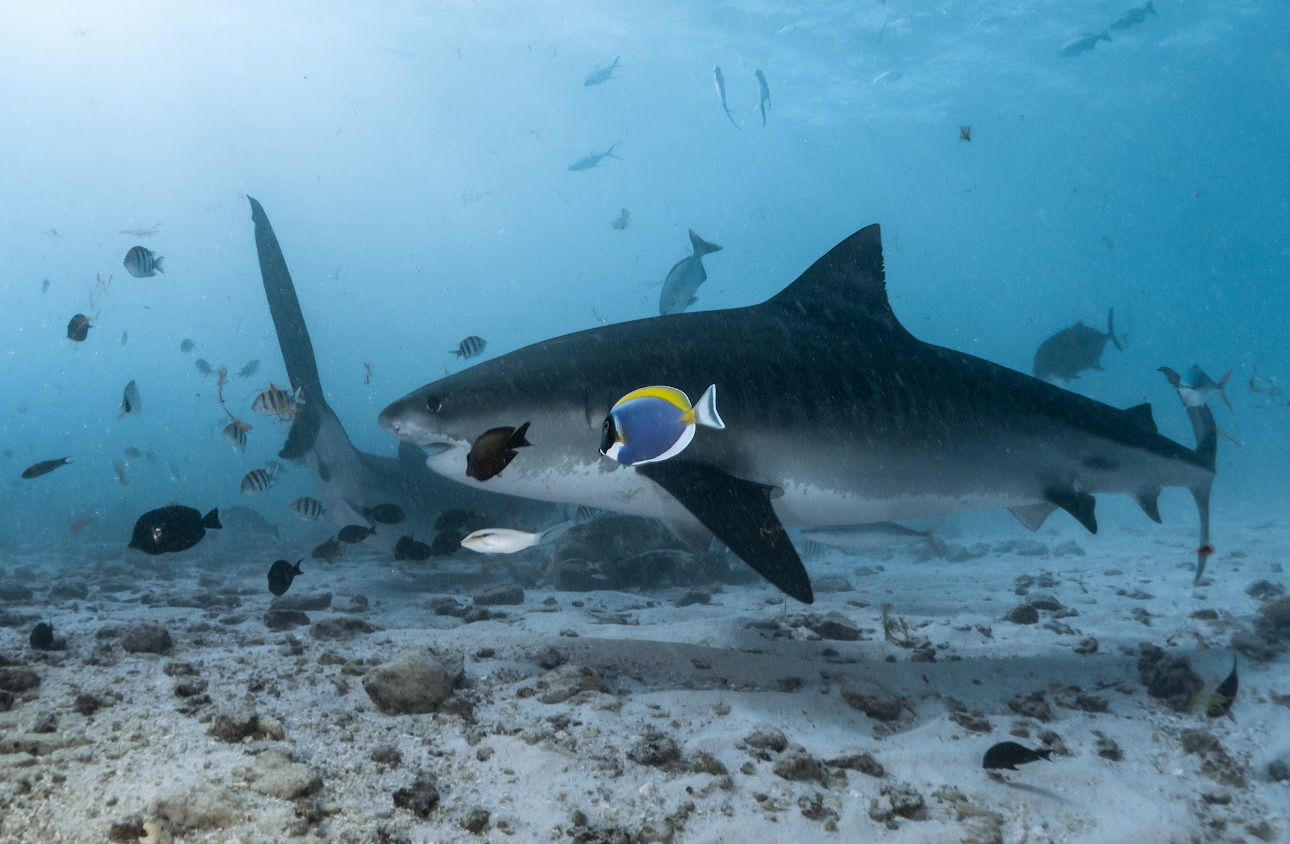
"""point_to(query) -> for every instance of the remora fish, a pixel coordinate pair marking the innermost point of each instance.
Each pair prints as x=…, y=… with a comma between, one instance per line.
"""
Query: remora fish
x=508, y=541
x=763, y=95
x=834, y=414
x=1072, y=350
x=719, y=80
x=681, y=286
x=877, y=535
x=593, y=160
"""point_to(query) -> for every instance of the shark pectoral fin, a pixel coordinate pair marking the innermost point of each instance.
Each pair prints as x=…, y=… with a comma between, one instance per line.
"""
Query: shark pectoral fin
x=740, y=514
x=303, y=433
x=1078, y=504
x=1149, y=501
x=1033, y=515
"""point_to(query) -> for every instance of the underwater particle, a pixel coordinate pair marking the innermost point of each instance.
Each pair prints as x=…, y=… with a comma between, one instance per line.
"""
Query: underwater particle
x=281, y=574
x=118, y=466
x=1010, y=754
x=44, y=286
x=367, y=373
x=44, y=467
x=408, y=548
x=494, y=450
x=142, y=262
x=353, y=534
x=78, y=328
x=131, y=403
x=172, y=529
x=965, y=133
x=471, y=347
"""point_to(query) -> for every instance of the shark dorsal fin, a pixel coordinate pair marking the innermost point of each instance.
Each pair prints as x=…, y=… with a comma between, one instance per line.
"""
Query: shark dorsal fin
x=846, y=284
x=1141, y=414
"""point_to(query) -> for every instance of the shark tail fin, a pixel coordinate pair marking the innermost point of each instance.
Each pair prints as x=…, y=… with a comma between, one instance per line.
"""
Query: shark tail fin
x=933, y=541
x=1202, y=420
x=705, y=409
x=701, y=246
x=1222, y=389
x=1110, y=329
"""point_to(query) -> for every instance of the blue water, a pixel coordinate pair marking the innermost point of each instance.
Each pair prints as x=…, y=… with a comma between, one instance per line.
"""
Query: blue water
x=413, y=159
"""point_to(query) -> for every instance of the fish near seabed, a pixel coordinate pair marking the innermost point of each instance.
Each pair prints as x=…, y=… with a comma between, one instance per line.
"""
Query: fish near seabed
x=281, y=574
x=172, y=529
x=835, y=414
x=681, y=287
x=1083, y=43
x=1010, y=754
x=1072, y=350
x=719, y=80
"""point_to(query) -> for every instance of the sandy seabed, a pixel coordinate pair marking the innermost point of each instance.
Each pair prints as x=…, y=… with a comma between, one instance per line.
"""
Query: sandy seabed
x=700, y=713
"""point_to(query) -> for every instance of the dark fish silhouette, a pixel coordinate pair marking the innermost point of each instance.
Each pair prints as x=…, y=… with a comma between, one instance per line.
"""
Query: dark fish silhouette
x=44, y=467
x=386, y=514
x=451, y=519
x=1009, y=754
x=131, y=403
x=186, y=346
x=328, y=550
x=42, y=637
x=1072, y=350
x=1220, y=702
x=281, y=573
x=78, y=328
x=171, y=529
x=351, y=534
x=446, y=543
x=494, y=450
x=408, y=548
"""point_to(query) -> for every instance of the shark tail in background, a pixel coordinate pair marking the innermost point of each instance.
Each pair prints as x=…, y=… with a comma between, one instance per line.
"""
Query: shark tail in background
x=1202, y=422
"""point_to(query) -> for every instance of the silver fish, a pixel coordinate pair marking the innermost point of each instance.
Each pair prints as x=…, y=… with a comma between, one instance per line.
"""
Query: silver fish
x=587, y=162
x=681, y=286
x=508, y=541
x=763, y=95
x=1082, y=43
x=720, y=82
x=119, y=467
x=601, y=74
x=470, y=347
x=234, y=434
x=141, y=262
x=854, y=538
x=130, y=402
x=1196, y=388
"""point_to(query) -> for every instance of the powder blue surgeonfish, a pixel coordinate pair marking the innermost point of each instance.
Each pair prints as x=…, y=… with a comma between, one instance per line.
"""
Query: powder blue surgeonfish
x=655, y=423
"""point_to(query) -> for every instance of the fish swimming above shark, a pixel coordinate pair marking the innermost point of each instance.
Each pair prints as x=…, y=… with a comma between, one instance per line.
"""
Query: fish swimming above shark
x=835, y=414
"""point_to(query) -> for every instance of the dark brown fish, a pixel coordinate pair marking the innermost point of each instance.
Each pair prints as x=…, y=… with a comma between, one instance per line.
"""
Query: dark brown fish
x=965, y=133
x=446, y=543
x=42, y=637
x=172, y=529
x=44, y=467
x=351, y=534
x=408, y=548
x=1072, y=350
x=1009, y=754
x=78, y=328
x=281, y=573
x=494, y=450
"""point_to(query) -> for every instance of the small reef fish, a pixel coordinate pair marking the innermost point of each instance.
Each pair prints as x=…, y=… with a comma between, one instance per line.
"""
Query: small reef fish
x=720, y=81
x=876, y=535
x=42, y=637
x=446, y=543
x=308, y=508
x=256, y=481
x=130, y=402
x=507, y=541
x=141, y=262
x=471, y=347
x=656, y=423
x=763, y=95
x=329, y=550
x=1220, y=702
x=247, y=521
x=681, y=287
x=1009, y=754
x=172, y=529
x=386, y=514
x=620, y=222
x=408, y=548
x=274, y=468
x=1133, y=17
x=125, y=336
x=601, y=74
x=1082, y=43
x=234, y=434
x=352, y=534
x=187, y=346
x=202, y=366
x=252, y=367
x=453, y=519
x=1196, y=388
x=281, y=574
x=44, y=286
x=78, y=328
x=279, y=403
x=588, y=162
x=965, y=133
x=494, y=450
x=1072, y=350
x=44, y=467
x=119, y=467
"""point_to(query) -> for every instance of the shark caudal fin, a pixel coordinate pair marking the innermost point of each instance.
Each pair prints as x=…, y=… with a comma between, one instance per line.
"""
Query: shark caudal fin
x=1202, y=422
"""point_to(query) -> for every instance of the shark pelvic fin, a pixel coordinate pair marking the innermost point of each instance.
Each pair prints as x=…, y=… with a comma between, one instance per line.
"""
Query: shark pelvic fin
x=1078, y=504
x=1149, y=501
x=740, y=514
x=846, y=284
x=1032, y=516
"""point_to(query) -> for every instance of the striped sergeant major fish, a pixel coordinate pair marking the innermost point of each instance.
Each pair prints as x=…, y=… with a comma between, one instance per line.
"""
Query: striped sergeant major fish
x=141, y=262
x=310, y=509
x=259, y=480
x=471, y=347
x=276, y=401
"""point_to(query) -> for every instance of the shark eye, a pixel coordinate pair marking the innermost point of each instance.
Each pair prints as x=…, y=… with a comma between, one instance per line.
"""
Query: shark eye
x=434, y=404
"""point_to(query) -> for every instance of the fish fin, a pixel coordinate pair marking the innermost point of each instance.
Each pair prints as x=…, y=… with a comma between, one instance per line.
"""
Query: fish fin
x=701, y=246
x=1078, y=504
x=705, y=409
x=211, y=519
x=1149, y=501
x=740, y=514
x=303, y=433
x=1045, y=754
x=1222, y=389
x=1174, y=379
x=846, y=285
x=1033, y=515
x=516, y=439
x=933, y=541
x=156, y=264
x=1141, y=414
x=298, y=570
x=1110, y=323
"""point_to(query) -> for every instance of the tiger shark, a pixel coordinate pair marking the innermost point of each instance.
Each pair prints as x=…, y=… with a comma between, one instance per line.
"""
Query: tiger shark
x=834, y=414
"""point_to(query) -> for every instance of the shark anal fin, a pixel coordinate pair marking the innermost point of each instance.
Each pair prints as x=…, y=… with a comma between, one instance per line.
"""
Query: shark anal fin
x=739, y=513
x=1078, y=504
x=1032, y=516
x=1149, y=501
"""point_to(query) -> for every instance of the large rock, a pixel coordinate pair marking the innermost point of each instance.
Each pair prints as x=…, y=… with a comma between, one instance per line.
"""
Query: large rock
x=146, y=637
x=207, y=806
x=340, y=627
x=302, y=603
x=276, y=774
x=18, y=679
x=413, y=682
x=566, y=681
